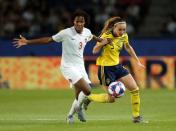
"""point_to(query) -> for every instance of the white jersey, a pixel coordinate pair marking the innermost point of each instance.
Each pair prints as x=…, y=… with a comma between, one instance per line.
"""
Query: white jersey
x=73, y=45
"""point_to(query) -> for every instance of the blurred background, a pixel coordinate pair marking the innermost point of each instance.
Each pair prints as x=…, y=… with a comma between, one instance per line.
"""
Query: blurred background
x=151, y=28
x=145, y=18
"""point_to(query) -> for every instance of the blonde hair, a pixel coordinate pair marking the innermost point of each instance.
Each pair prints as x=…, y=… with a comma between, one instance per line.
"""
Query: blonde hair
x=110, y=23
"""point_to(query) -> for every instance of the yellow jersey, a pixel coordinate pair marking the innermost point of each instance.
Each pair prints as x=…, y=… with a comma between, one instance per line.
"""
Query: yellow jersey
x=110, y=53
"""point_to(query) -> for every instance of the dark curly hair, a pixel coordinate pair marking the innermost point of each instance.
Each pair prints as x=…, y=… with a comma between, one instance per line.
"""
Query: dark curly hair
x=82, y=13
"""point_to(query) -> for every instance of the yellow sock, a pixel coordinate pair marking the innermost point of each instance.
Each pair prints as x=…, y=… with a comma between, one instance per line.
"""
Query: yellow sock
x=103, y=98
x=135, y=100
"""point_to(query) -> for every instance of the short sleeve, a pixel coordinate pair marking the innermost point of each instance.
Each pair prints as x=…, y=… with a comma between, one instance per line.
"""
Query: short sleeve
x=103, y=35
x=125, y=38
x=106, y=35
x=59, y=36
x=90, y=35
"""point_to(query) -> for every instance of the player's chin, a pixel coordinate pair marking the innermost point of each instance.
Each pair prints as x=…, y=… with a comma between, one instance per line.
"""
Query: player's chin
x=79, y=29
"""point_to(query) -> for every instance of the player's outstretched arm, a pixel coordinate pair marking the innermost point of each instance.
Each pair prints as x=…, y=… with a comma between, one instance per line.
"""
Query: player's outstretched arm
x=18, y=42
x=132, y=53
x=100, y=44
x=97, y=39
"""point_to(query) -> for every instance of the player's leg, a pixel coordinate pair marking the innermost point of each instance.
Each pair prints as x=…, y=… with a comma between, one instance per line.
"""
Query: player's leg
x=105, y=80
x=76, y=106
x=81, y=85
x=80, y=112
x=72, y=111
x=84, y=85
x=131, y=85
x=102, y=97
x=82, y=89
x=73, y=75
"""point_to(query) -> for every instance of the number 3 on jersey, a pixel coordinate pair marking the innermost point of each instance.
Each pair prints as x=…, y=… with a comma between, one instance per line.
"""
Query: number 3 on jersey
x=80, y=45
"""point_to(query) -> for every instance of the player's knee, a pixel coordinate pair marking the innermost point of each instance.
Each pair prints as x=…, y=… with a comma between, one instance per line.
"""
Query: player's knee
x=135, y=88
x=87, y=92
x=135, y=91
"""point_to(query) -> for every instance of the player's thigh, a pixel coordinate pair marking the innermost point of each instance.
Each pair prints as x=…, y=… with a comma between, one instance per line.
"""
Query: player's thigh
x=72, y=74
x=129, y=82
x=85, y=76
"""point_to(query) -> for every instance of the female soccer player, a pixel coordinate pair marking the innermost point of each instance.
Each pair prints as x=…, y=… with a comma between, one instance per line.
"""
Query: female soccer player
x=72, y=67
x=110, y=69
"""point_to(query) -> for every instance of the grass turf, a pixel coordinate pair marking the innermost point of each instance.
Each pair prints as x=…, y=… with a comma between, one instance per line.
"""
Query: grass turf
x=46, y=110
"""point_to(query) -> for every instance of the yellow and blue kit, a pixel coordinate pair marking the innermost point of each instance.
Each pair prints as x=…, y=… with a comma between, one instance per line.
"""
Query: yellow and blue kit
x=109, y=68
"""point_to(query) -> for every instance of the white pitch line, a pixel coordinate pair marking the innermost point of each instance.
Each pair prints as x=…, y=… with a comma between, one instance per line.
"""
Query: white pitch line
x=38, y=119
x=91, y=119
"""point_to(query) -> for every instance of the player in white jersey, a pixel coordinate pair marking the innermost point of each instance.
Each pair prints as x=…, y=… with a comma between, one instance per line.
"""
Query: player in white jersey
x=73, y=41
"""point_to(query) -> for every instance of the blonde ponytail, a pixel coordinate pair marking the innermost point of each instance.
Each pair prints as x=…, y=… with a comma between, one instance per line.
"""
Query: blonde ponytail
x=110, y=23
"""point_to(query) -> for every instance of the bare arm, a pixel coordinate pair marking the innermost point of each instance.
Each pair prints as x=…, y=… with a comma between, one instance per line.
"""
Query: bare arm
x=18, y=42
x=132, y=53
x=100, y=44
x=98, y=39
x=98, y=47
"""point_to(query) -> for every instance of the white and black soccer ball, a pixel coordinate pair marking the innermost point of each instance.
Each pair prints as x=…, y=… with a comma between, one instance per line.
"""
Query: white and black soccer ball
x=116, y=89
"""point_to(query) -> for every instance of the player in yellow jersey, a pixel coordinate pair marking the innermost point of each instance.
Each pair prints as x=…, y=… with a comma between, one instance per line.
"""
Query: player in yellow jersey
x=110, y=69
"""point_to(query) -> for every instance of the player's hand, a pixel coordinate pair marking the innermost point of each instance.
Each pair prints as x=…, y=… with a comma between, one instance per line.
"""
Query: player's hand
x=109, y=41
x=18, y=42
x=140, y=64
x=106, y=41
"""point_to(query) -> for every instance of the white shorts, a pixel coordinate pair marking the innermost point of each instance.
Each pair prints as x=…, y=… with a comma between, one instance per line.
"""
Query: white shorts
x=74, y=74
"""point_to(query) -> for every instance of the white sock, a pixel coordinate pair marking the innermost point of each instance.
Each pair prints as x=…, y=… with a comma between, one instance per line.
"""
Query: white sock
x=76, y=105
x=72, y=109
x=80, y=99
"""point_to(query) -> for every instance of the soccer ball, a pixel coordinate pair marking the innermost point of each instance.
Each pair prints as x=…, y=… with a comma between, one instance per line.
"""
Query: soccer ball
x=116, y=89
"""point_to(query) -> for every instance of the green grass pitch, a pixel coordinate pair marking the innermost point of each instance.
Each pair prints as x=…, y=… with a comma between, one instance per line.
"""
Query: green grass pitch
x=46, y=110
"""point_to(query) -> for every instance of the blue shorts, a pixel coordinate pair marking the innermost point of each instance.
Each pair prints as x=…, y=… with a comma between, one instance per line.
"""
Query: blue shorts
x=108, y=74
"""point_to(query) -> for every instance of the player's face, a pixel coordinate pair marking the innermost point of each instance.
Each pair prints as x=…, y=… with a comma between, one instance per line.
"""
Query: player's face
x=119, y=29
x=79, y=23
